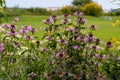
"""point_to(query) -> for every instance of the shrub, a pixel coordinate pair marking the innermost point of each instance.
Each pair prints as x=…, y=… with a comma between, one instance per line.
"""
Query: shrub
x=79, y=8
x=37, y=11
x=12, y=11
x=93, y=9
x=16, y=11
x=2, y=15
x=66, y=9
x=109, y=14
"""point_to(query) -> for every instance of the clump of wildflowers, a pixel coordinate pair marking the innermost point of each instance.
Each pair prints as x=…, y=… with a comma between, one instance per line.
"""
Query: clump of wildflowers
x=66, y=52
x=69, y=49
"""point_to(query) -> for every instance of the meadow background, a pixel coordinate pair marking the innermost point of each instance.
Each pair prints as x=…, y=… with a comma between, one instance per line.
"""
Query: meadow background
x=105, y=29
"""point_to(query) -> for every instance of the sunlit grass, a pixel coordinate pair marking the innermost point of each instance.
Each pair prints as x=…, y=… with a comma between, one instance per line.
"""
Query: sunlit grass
x=104, y=31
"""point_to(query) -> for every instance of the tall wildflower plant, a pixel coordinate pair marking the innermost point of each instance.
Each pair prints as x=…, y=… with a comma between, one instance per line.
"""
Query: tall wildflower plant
x=73, y=54
x=66, y=52
x=20, y=53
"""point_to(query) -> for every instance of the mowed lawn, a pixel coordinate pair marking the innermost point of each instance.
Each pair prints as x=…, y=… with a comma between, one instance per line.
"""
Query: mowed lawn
x=104, y=31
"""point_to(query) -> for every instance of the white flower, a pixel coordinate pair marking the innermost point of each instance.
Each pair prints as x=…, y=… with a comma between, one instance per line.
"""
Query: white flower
x=24, y=48
x=33, y=41
x=1, y=29
x=19, y=36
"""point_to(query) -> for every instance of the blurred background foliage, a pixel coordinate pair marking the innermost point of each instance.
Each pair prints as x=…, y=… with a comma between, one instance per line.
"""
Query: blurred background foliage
x=2, y=4
x=88, y=7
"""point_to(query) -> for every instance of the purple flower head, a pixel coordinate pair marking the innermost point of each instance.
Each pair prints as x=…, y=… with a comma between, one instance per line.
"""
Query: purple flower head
x=28, y=37
x=16, y=19
x=12, y=33
x=47, y=37
x=58, y=40
x=64, y=42
x=92, y=27
x=43, y=49
x=28, y=28
x=81, y=20
x=54, y=17
x=66, y=15
x=70, y=29
x=93, y=39
x=78, y=13
x=65, y=21
x=32, y=74
x=85, y=39
x=48, y=21
x=23, y=32
x=1, y=47
x=12, y=27
x=96, y=48
x=90, y=47
x=75, y=47
x=17, y=44
x=90, y=36
x=100, y=56
x=6, y=26
x=100, y=79
x=78, y=38
x=61, y=54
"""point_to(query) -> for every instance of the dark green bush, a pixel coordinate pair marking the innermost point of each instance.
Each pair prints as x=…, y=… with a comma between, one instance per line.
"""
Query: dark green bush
x=12, y=11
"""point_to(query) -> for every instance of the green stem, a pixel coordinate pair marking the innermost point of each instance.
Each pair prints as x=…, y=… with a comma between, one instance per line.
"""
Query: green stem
x=6, y=74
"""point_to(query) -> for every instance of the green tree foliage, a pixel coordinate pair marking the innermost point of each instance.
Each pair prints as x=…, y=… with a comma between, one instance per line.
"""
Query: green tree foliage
x=93, y=9
x=80, y=2
x=66, y=9
x=2, y=3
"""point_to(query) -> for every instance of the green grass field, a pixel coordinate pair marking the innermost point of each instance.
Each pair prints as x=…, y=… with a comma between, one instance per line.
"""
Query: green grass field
x=104, y=31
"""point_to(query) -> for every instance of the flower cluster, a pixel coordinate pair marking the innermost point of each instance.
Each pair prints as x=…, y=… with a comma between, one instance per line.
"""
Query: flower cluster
x=72, y=53
x=66, y=52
